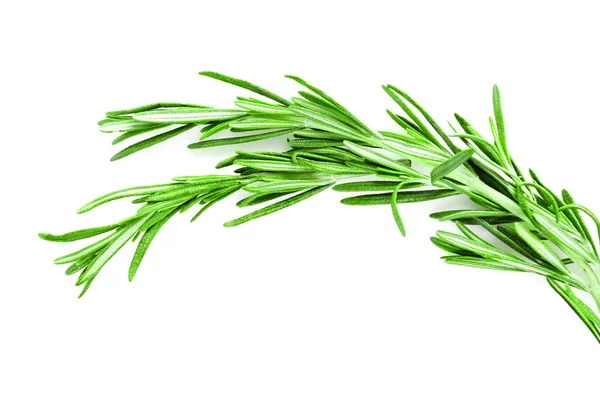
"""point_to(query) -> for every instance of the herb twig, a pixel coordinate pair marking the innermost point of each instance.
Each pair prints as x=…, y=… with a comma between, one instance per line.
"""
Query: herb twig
x=545, y=233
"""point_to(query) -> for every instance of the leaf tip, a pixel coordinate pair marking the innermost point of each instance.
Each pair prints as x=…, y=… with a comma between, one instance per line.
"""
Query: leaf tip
x=45, y=236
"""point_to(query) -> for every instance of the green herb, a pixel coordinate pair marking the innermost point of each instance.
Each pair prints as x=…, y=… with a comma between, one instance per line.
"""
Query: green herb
x=545, y=234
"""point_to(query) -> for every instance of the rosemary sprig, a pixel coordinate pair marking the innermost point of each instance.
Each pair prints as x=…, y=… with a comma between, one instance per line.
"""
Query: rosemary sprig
x=545, y=233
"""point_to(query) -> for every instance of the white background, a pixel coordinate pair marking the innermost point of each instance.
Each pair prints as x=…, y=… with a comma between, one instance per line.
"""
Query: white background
x=320, y=301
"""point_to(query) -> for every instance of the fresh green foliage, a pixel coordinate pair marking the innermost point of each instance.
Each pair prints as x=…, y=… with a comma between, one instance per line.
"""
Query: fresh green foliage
x=541, y=233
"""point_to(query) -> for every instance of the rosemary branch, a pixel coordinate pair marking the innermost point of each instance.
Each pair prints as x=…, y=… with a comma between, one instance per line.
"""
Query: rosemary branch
x=545, y=232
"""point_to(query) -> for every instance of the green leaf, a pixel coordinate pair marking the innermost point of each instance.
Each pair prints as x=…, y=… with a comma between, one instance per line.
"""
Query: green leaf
x=389, y=89
x=453, y=215
x=575, y=305
x=124, y=125
x=478, y=247
x=403, y=122
x=255, y=123
x=395, y=211
x=372, y=186
x=330, y=112
x=541, y=248
x=144, y=243
x=312, y=134
x=263, y=108
x=215, y=128
x=450, y=248
x=413, y=150
x=130, y=134
x=580, y=225
x=511, y=239
x=144, y=144
x=188, y=115
x=314, y=143
x=413, y=196
x=311, y=156
x=428, y=117
x=78, y=235
x=487, y=149
x=381, y=159
x=111, y=250
x=80, y=264
x=226, y=162
x=274, y=166
x=450, y=165
x=152, y=106
x=329, y=99
x=277, y=206
x=479, y=263
x=246, y=85
x=258, y=198
x=562, y=239
x=86, y=251
x=284, y=186
x=500, y=124
x=239, y=139
x=315, y=120
x=330, y=167
x=187, y=190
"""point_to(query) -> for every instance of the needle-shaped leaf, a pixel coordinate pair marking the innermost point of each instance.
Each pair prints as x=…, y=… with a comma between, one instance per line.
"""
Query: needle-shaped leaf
x=370, y=186
x=422, y=127
x=479, y=263
x=188, y=115
x=284, y=186
x=124, y=125
x=263, y=108
x=329, y=99
x=111, y=250
x=258, y=198
x=86, y=251
x=239, y=139
x=428, y=117
x=554, y=232
x=403, y=122
x=453, y=215
x=500, y=124
x=329, y=111
x=511, y=239
x=541, y=248
x=330, y=167
x=315, y=120
x=450, y=248
x=395, y=211
x=412, y=196
x=413, y=150
x=259, y=123
x=576, y=306
x=215, y=128
x=445, y=168
x=277, y=206
x=378, y=158
x=78, y=235
x=144, y=144
x=246, y=85
x=152, y=106
x=119, y=194
x=275, y=166
x=573, y=211
x=314, y=143
x=134, y=133
x=483, y=249
x=145, y=242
